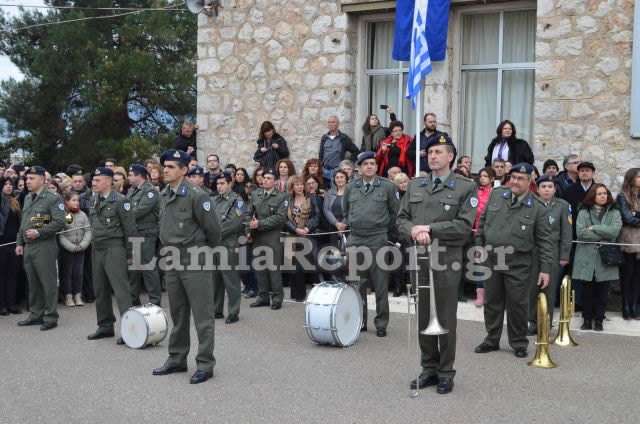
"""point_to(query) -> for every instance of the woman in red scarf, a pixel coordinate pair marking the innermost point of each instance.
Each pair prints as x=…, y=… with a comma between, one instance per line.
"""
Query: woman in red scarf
x=393, y=151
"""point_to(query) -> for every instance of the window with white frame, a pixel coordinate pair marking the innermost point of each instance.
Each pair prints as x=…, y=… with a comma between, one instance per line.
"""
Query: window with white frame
x=386, y=79
x=497, y=65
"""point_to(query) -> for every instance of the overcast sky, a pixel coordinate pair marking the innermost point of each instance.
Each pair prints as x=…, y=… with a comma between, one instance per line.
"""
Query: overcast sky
x=8, y=69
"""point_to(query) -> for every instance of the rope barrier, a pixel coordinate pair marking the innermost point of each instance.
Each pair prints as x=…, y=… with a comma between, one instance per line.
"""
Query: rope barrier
x=60, y=232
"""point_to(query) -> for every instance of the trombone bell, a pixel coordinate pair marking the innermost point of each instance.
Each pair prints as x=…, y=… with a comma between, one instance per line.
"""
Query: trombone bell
x=542, y=358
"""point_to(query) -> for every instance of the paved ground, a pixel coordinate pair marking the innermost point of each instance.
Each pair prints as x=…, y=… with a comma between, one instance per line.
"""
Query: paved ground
x=269, y=372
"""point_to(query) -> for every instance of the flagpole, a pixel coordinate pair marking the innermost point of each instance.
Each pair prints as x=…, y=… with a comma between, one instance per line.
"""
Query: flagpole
x=418, y=132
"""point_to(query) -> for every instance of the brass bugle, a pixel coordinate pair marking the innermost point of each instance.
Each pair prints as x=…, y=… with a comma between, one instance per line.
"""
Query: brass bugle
x=567, y=309
x=68, y=217
x=542, y=359
x=39, y=221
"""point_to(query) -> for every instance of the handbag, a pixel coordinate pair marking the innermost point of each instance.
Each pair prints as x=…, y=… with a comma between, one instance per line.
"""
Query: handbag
x=609, y=254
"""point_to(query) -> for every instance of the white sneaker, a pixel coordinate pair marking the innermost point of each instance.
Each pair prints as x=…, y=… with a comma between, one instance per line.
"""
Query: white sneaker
x=69, y=300
x=78, y=299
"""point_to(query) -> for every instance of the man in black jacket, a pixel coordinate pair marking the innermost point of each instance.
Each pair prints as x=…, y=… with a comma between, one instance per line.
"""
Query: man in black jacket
x=569, y=176
x=428, y=134
x=333, y=148
x=213, y=166
x=186, y=138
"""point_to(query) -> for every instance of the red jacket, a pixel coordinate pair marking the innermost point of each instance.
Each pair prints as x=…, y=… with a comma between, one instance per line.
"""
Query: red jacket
x=404, y=163
x=483, y=198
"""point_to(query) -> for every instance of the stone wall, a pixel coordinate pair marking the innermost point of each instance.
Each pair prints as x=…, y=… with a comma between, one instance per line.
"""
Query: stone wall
x=583, y=84
x=287, y=61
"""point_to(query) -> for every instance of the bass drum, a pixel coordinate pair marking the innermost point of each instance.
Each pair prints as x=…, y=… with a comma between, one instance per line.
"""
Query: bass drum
x=333, y=314
x=144, y=325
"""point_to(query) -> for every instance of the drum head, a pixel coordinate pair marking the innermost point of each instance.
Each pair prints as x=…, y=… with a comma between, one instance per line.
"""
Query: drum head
x=348, y=316
x=134, y=329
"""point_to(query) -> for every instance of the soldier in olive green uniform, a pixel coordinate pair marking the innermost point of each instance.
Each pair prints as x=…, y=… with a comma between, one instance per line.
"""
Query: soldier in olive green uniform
x=42, y=216
x=267, y=214
x=144, y=199
x=229, y=209
x=517, y=219
x=440, y=207
x=561, y=236
x=187, y=225
x=196, y=177
x=112, y=223
x=370, y=204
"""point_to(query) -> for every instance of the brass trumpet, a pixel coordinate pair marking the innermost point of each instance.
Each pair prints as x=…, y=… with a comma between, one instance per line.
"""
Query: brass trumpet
x=39, y=221
x=542, y=358
x=567, y=310
x=433, y=327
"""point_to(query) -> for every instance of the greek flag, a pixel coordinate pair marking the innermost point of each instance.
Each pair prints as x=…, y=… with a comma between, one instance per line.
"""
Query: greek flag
x=420, y=64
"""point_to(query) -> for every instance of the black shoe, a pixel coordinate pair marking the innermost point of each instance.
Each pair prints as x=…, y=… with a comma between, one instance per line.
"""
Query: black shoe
x=26, y=322
x=586, y=325
x=4, y=312
x=532, y=330
x=520, y=352
x=381, y=332
x=598, y=326
x=425, y=380
x=276, y=306
x=169, y=369
x=231, y=319
x=626, y=312
x=445, y=385
x=15, y=310
x=485, y=348
x=258, y=304
x=200, y=377
x=120, y=341
x=218, y=315
x=460, y=299
x=100, y=334
x=363, y=328
x=48, y=325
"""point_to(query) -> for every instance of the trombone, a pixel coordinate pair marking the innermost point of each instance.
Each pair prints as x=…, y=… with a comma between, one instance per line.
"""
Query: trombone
x=433, y=328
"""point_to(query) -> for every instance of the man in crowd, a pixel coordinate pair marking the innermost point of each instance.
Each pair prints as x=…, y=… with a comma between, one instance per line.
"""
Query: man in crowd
x=465, y=162
x=229, y=209
x=188, y=222
x=193, y=163
x=428, y=134
x=112, y=223
x=440, y=207
x=186, y=138
x=110, y=163
x=144, y=201
x=550, y=168
x=267, y=214
x=333, y=147
x=42, y=216
x=569, y=176
x=499, y=167
x=511, y=225
x=196, y=177
x=370, y=204
x=213, y=170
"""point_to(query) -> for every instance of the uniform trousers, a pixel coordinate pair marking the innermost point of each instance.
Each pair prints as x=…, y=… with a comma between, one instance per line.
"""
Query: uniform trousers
x=40, y=266
x=110, y=273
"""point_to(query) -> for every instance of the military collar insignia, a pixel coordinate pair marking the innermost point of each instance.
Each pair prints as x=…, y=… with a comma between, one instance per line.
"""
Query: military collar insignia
x=113, y=197
x=529, y=201
x=377, y=182
x=507, y=194
x=359, y=182
x=423, y=182
x=182, y=190
x=452, y=184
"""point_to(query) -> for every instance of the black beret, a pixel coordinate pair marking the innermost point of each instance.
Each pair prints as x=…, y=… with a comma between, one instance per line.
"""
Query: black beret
x=34, y=170
x=175, y=155
x=103, y=171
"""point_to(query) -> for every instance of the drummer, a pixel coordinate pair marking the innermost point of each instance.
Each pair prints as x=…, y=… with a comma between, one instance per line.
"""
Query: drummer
x=187, y=222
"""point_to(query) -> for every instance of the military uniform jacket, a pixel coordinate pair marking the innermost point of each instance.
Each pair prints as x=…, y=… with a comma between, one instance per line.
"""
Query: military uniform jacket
x=450, y=209
x=145, y=202
x=372, y=213
x=229, y=209
x=523, y=226
x=270, y=211
x=561, y=230
x=49, y=207
x=187, y=217
x=112, y=220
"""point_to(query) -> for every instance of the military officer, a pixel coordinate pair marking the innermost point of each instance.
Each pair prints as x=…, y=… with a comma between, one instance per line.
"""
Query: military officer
x=187, y=225
x=229, y=208
x=267, y=214
x=144, y=200
x=440, y=207
x=511, y=225
x=370, y=204
x=196, y=177
x=112, y=223
x=561, y=235
x=42, y=216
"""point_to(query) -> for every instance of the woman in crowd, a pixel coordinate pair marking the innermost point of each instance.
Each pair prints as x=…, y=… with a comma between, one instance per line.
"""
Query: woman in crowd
x=313, y=168
x=240, y=184
x=285, y=170
x=486, y=177
x=507, y=146
x=373, y=133
x=9, y=225
x=74, y=243
x=155, y=175
x=248, y=276
x=598, y=221
x=629, y=205
x=348, y=167
x=393, y=151
x=54, y=187
x=332, y=206
x=271, y=147
x=399, y=276
x=302, y=219
x=257, y=176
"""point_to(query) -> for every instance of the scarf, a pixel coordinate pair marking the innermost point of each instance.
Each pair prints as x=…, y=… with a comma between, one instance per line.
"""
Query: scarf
x=73, y=210
x=299, y=215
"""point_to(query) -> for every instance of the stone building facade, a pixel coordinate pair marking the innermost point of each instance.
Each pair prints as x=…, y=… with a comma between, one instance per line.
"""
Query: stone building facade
x=295, y=62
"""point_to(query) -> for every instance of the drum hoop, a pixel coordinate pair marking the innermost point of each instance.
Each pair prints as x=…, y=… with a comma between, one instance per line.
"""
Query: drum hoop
x=166, y=321
x=332, y=320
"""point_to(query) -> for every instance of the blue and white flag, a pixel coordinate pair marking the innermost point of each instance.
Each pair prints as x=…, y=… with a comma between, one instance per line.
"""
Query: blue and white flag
x=435, y=31
x=420, y=64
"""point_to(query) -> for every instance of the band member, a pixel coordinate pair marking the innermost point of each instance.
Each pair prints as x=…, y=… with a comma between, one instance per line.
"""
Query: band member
x=440, y=207
x=268, y=214
x=187, y=225
x=42, y=216
x=144, y=200
x=229, y=209
x=370, y=205
x=112, y=223
x=561, y=235
x=511, y=225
